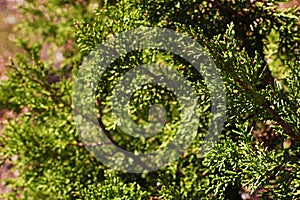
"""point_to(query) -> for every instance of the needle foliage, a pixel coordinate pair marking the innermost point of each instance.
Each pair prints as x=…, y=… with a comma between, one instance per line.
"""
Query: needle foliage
x=256, y=48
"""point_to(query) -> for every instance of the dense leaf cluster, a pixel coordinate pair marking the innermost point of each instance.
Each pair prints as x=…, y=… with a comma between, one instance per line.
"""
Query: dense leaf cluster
x=254, y=44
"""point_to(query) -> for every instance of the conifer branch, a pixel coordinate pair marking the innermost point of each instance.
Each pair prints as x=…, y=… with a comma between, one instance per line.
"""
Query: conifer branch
x=286, y=127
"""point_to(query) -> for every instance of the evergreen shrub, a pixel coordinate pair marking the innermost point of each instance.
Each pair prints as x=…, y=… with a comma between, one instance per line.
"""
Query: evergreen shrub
x=255, y=46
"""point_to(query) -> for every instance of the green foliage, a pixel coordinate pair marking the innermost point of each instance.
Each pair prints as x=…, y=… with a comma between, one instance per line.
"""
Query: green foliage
x=240, y=163
x=54, y=164
x=112, y=188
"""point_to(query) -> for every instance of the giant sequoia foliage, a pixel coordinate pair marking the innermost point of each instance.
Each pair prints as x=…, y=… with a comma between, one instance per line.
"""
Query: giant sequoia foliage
x=254, y=44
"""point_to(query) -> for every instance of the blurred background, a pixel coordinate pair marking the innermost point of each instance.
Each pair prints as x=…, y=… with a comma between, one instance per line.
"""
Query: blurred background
x=9, y=18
